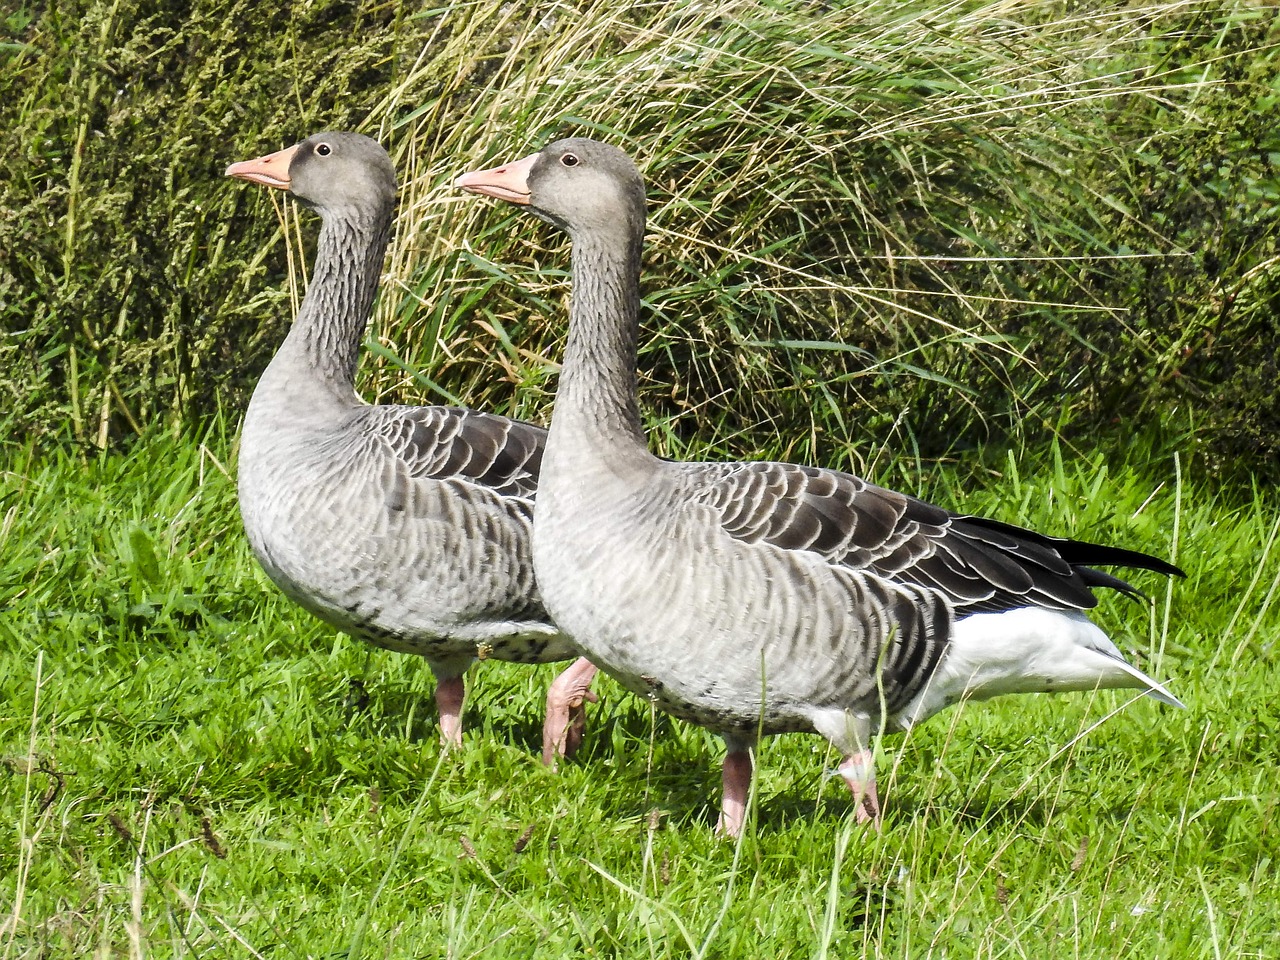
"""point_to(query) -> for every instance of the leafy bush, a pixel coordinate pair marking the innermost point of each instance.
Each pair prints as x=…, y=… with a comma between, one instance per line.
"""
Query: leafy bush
x=1201, y=182
x=132, y=285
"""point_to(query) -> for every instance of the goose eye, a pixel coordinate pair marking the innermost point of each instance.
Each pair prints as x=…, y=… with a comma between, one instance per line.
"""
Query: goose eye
x=569, y=159
x=323, y=149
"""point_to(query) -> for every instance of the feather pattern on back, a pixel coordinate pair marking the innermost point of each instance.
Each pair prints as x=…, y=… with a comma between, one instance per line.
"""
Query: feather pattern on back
x=977, y=564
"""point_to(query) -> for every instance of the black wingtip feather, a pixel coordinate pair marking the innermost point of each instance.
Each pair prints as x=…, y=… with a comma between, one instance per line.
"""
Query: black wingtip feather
x=1099, y=578
x=1080, y=553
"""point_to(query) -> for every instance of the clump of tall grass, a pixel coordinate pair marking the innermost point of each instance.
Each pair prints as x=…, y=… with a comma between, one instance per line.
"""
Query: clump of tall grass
x=906, y=223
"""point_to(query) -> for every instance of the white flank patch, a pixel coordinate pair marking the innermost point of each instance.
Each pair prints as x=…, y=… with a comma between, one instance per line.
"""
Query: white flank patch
x=1028, y=650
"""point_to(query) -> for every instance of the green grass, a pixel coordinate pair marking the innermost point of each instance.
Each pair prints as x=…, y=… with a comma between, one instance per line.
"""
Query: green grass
x=192, y=767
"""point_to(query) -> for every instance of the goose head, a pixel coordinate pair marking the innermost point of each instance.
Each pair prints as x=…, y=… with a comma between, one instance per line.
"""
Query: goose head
x=582, y=186
x=332, y=173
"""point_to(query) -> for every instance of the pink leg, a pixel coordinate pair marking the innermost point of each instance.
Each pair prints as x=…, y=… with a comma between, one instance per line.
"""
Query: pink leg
x=449, y=703
x=566, y=713
x=736, y=779
x=859, y=772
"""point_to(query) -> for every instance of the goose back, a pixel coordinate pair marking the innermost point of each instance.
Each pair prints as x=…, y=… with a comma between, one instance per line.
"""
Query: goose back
x=407, y=527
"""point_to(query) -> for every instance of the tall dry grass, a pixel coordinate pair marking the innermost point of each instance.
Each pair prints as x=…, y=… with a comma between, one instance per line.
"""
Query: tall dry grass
x=868, y=221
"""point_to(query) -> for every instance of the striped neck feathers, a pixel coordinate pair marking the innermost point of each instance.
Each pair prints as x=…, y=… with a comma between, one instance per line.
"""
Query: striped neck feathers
x=598, y=383
x=327, y=333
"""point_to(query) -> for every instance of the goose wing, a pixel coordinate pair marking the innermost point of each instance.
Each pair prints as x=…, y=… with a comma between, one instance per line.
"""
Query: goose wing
x=449, y=494
x=978, y=564
x=452, y=443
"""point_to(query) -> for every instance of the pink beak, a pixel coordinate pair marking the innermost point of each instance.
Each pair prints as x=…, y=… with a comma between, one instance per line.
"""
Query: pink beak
x=508, y=182
x=271, y=170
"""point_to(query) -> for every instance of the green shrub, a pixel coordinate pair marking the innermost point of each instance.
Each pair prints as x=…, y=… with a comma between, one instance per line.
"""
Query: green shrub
x=1201, y=182
x=132, y=277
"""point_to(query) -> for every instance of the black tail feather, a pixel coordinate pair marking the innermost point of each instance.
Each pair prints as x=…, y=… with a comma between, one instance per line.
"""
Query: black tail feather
x=1080, y=553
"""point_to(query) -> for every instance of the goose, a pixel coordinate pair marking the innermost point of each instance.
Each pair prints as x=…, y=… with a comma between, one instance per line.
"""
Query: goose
x=407, y=527
x=764, y=598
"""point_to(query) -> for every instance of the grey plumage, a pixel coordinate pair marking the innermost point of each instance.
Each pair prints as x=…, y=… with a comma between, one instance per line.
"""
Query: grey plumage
x=771, y=597
x=407, y=527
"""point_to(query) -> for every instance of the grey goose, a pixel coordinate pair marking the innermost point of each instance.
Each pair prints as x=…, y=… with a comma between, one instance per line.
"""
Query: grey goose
x=771, y=597
x=407, y=527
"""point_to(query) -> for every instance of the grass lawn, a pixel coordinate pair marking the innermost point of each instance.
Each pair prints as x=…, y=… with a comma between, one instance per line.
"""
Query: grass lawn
x=192, y=767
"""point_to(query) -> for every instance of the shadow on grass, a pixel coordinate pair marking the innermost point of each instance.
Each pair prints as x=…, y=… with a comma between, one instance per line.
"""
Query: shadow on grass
x=657, y=763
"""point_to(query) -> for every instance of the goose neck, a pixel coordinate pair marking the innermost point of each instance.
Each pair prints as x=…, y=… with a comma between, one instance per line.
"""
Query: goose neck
x=598, y=385
x=329, y=328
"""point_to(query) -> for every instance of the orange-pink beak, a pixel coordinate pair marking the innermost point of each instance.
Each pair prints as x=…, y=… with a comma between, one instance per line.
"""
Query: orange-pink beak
x=508, y=182
x=270, y=171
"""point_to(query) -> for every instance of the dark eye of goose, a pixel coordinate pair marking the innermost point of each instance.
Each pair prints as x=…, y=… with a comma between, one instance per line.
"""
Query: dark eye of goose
x=323, y=149
x=569, y=159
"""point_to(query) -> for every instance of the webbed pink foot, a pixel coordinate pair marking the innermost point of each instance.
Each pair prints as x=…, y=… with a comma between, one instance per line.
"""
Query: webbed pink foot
x=566, y=711
x=859, y=772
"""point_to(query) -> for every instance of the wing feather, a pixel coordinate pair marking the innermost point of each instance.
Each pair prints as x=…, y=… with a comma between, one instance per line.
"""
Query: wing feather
x=452, y=443
x=978, y=564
